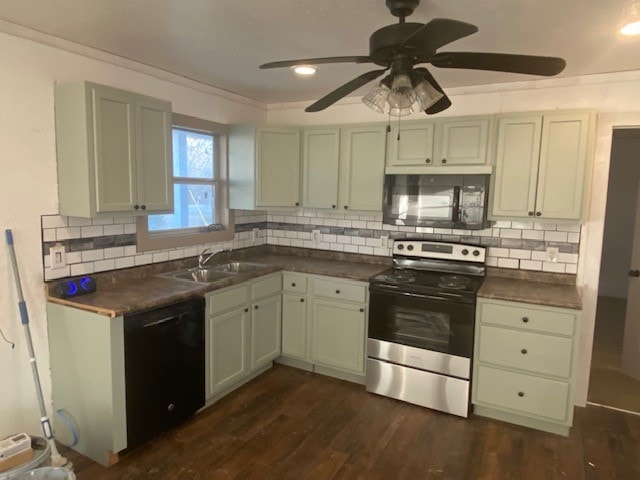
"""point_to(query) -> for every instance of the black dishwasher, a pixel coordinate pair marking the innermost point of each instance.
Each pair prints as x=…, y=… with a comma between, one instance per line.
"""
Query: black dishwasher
x=164, y=368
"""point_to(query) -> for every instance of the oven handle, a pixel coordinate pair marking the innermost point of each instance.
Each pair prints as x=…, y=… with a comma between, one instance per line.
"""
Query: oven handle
x=374, y=289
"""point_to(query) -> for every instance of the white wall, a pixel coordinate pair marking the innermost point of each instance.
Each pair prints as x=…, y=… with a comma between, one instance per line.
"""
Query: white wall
x=616, y=98
x=28, y=186
x=624, y=176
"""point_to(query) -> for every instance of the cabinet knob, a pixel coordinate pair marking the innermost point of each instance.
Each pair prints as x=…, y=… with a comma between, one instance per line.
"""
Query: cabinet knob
x=362, y=310
x=338, y=292
x=521, y=394
x=297, y=204
x=255, y=307
x=246, y=309
x=634, y=273
x=444, y=160
x=531, y=214
x=143, y=207
x=538, y=214
x=523, y=351
x=171, y=407
x=428, y=160
x=333, y=206
x=136, y=206
x=302, y=300
x=525, y=319
x=346, y=207
x=293, y=284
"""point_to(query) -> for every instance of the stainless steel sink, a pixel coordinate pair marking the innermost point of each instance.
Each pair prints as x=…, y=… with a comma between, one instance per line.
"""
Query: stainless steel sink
x=237, y=267
x=214, y=273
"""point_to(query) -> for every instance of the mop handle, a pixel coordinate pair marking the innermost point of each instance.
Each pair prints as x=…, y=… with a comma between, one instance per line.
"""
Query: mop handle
x=22, y=306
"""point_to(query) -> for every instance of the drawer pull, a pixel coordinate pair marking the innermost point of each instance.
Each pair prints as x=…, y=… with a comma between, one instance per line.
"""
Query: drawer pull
x=521, y=394
x=302, y=300
x=171, y=407
x=523, y=351
x=293, y=284
x=525, y=319
x=255, y=307
x=338, y=292
x=362, y=310
x=246, y=309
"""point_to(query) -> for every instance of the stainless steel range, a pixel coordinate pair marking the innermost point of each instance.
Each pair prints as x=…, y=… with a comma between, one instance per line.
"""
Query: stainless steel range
x=421, y=324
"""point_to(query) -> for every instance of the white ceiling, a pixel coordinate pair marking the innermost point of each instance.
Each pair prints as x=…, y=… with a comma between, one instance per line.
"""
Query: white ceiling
x=222, y=43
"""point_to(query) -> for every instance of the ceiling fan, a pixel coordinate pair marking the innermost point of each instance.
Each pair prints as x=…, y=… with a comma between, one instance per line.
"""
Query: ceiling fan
x=400, y=47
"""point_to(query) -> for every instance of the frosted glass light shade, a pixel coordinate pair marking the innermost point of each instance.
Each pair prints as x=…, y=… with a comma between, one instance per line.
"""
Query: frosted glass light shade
x=426, y=94
x=376, y=99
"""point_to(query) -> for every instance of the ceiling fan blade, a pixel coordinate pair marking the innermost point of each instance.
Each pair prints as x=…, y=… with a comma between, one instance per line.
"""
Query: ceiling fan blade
x=441, y=104
x=500, y=62
x=439, y=32
x=317, y=61
x=344, y=90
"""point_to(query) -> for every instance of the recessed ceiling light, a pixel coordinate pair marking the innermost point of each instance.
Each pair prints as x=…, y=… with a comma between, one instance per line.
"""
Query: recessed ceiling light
x=632, y=28
x=304, y=70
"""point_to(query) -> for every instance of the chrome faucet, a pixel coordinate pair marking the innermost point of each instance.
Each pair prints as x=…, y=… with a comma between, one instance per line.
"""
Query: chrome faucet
x=202, y=260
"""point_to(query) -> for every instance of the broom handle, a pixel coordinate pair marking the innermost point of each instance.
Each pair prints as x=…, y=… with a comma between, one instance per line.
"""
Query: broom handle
x=24, y=317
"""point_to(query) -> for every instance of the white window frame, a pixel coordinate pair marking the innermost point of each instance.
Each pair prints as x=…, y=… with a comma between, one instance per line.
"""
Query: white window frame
x=224, y=231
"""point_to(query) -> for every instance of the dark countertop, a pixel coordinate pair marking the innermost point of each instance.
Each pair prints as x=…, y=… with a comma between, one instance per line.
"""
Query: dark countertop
x=551, y=290
x=125, y=293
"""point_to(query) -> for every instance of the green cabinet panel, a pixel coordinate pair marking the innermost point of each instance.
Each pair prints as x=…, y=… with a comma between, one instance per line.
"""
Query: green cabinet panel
x=294, y=325
x=265, y=331
x=114, y=151
x=542, y=166
x=264, y=167
x=464, y=142
x=411, y=144
x=362, y=168
x=338, y=335
x=321, y=160
x=228, y=336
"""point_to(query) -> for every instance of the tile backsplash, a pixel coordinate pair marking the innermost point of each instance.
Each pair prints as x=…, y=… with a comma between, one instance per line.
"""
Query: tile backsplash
x=95, y=245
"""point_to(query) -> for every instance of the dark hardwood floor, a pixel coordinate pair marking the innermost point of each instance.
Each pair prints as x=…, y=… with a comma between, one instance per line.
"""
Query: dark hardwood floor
x=290, y=424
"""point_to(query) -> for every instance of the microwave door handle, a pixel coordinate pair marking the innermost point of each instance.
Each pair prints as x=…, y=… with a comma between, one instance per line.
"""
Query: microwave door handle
x=456, y=204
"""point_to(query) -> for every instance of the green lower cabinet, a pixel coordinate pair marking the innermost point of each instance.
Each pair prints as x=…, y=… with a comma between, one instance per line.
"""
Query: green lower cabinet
x=265, y=331
x=227, y=349
x=338, y=335
x=294, y=325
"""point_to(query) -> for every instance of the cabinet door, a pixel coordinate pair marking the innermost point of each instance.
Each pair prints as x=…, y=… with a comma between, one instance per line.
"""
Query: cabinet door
x=362, y=168
x=265, y=331
x=154, y=156
x=464, y=142
x=278, y=167
x=227, y=354
x=338, y=333
x=294, y=325
x=411, y=145
x=563, y=166
x=321, y=157
x=114, y=150
x=518, y=151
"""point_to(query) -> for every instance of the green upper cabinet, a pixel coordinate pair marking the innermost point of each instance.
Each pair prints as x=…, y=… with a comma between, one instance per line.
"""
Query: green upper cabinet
x=114, y=151
x=321, y=161
x=344, y=167
x=440, y=143
x=542, y=164
x=264, y=167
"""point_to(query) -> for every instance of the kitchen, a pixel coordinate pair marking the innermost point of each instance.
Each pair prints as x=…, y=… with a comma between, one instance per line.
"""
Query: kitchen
x=29, y=139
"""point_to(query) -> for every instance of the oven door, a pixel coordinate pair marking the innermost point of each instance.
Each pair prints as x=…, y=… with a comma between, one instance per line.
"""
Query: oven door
x=428, y=322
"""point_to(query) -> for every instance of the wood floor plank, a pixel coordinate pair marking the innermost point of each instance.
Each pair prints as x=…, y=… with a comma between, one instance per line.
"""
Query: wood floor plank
x=290, y=424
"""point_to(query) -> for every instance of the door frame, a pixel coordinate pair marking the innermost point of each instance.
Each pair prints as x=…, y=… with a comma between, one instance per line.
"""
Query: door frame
x=591, y=242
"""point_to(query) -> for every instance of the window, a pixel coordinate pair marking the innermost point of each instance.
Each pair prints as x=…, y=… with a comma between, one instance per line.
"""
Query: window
x=199, y=187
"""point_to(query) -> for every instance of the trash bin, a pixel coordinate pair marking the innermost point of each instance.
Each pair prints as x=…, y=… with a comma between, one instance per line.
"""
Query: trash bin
x=45, y=473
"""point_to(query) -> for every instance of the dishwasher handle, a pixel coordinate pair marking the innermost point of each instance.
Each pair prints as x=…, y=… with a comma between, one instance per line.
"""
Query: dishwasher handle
x=161, y=321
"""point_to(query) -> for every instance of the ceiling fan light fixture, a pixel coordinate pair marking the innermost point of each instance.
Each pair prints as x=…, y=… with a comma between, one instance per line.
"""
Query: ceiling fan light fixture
x=304, y=70
x=376, y=99
x=630, y=29
x=402, y=95
x=401, y=111
x=426, y=94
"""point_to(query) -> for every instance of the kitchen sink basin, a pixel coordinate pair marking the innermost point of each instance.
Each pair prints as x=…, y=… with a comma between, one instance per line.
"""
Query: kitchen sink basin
x=237, y=267
x=214, y=273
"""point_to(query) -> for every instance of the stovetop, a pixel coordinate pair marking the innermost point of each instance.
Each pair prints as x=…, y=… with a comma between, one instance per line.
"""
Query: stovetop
x=428, y=281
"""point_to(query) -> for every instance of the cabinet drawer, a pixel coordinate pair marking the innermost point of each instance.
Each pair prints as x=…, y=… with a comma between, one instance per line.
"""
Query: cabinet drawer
x=294, y=283
x=226, y=300
x=525, y=350
x=265, y=287
x=523, y=393
x=528, y=317
x=338, y=290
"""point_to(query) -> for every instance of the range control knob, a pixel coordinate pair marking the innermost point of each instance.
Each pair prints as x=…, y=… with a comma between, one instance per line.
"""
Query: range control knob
x=465, y=252
x=410, y=247
x=401, y=247
x=476, y=253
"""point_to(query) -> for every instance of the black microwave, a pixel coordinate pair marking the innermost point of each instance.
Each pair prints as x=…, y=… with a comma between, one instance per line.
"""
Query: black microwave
x=442, y=201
